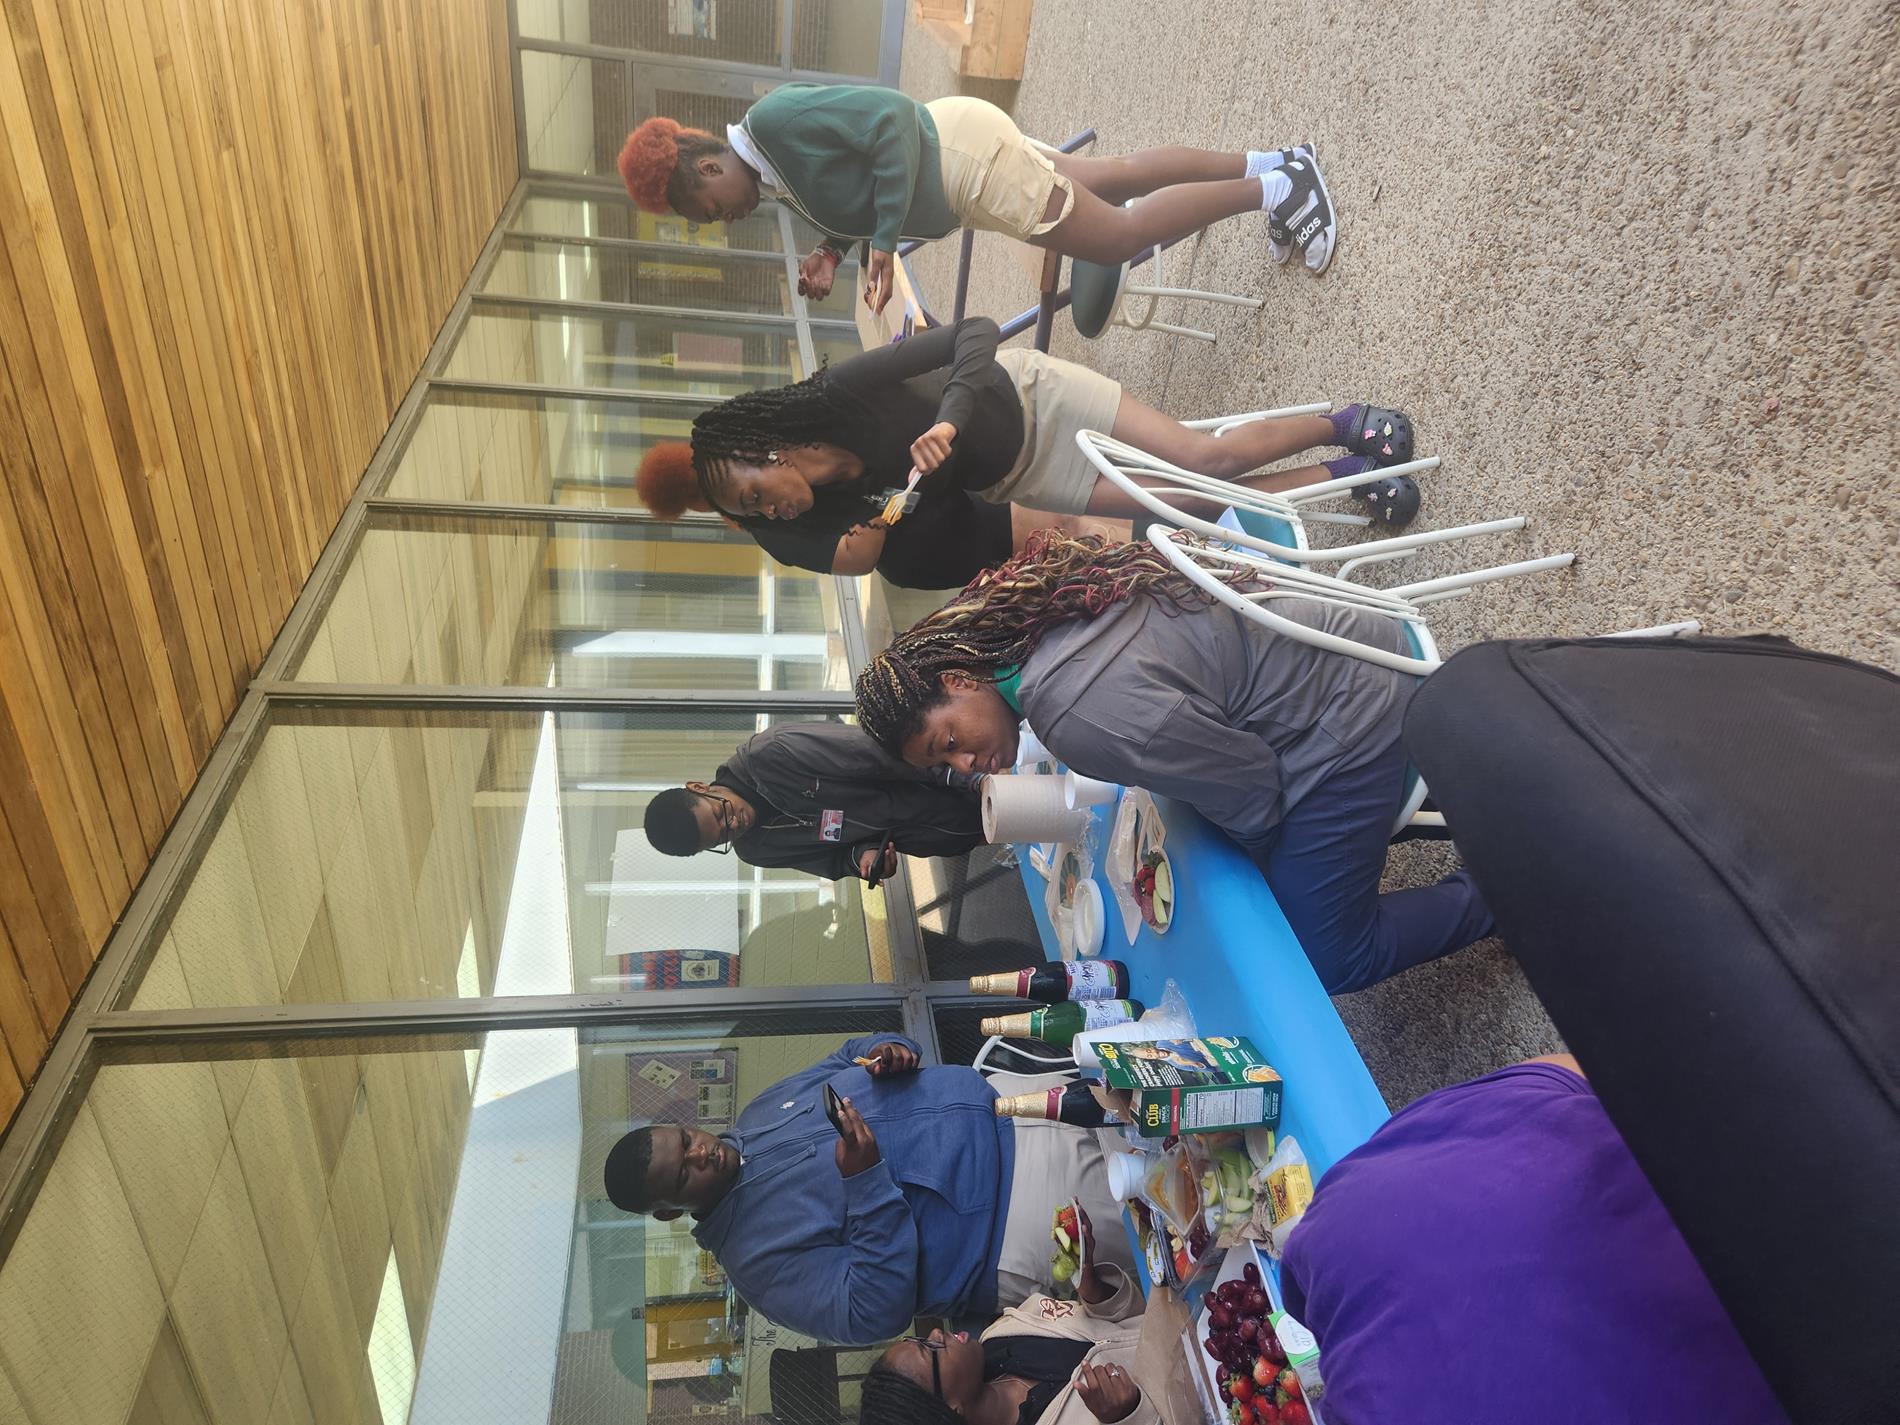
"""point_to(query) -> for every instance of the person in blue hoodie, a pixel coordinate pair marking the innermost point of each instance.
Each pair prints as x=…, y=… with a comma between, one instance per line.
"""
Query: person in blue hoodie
x=925, y=1202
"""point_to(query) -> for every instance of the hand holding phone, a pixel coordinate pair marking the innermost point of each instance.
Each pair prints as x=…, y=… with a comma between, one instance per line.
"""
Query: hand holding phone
x=857, y=1147
x=834, y=1109
x=881, y=866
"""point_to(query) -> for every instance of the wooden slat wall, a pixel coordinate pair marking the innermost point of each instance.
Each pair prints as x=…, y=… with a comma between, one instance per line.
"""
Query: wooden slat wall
x=228, y=233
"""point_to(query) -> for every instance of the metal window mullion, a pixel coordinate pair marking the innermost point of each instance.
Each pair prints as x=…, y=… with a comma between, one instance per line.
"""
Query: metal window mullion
x=475, y=386
x=684, y=251
x=807, y=352
x=563, y=306
x=607, y=184
x=780, y=73
x=890, y=52
x=519, y=88
x=450, y=1014
x=574, y=514
x=421, y=696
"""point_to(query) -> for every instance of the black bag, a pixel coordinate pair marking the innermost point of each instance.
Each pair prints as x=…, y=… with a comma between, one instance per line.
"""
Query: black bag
x=1693, y=849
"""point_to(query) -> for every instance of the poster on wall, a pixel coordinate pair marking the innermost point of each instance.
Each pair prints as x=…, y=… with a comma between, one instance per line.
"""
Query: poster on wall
x=678, y=969
x=696, y=1087
x=698, y=19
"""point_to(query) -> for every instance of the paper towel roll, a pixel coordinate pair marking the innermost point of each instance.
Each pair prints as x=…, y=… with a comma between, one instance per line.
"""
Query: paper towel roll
x=1080, y=791
x=1029, y=808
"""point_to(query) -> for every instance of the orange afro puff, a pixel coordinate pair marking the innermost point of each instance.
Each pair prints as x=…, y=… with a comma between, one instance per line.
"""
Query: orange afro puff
x=666, y=482
x=649, y=159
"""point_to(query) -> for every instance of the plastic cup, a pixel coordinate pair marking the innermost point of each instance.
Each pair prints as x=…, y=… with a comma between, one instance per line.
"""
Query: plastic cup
x=1126, y=1173
x=1081, y=791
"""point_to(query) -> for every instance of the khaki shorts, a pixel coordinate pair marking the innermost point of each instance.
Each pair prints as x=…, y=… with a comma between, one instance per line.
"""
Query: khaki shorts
x=1059, y=398
x=995, y=179
x=1054, y=1162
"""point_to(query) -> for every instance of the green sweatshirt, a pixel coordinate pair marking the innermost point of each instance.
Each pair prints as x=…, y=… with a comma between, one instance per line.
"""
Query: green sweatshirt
x=858, y=161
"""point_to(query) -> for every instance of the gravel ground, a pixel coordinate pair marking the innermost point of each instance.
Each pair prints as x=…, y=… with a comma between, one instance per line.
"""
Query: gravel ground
x=1631, y=269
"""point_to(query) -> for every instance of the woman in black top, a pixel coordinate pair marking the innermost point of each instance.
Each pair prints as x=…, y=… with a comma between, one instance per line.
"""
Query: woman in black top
x=806, y=469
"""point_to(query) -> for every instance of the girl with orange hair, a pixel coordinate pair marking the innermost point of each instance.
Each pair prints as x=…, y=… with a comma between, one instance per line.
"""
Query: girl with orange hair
x=869, y=165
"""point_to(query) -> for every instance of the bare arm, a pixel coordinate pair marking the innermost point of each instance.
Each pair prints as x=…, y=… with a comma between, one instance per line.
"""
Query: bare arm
x=859, y=549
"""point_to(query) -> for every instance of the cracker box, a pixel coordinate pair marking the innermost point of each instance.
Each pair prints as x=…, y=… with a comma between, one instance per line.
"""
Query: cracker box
x=1193, y=1085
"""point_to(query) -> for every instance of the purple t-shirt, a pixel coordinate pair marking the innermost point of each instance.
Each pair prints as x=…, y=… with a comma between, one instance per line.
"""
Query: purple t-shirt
x=1494, y=1256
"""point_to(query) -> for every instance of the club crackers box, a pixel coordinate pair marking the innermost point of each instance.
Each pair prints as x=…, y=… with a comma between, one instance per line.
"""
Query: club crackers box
x=1192, y=1085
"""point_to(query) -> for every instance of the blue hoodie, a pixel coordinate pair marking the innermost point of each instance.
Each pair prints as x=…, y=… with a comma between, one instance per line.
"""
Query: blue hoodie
x=853, y=1260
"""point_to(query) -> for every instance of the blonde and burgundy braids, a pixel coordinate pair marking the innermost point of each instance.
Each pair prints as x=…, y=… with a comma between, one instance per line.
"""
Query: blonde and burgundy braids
x=1000, y=616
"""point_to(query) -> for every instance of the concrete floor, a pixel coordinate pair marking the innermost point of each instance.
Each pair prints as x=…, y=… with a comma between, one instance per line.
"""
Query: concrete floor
x=1631, y=269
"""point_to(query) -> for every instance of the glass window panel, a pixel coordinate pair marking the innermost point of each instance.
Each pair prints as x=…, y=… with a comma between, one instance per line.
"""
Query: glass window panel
x=973, y=914
x=736, y=31
x=536, y=449
x=570, y=216
x=831, y=344
x=837, y=36
x=349, y=1231
x=657, y=275
x=372, y=854
x=841, y=304
x=639, y=351
x=577, y=112
x=558, y=603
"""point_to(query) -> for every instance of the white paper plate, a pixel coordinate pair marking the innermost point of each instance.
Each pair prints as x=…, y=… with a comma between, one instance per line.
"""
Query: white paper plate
x=1089, y=919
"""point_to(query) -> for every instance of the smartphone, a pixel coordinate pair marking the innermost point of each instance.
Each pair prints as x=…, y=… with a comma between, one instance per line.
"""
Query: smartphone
x=834, y=1109
x=876, y=878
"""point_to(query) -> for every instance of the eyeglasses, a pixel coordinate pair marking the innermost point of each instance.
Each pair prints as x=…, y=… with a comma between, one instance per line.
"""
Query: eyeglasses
x=726, y=819
x=935, y=1348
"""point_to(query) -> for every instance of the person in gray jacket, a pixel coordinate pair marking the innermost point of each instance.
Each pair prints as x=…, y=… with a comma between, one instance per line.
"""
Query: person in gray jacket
x=819, y=797
x=1129, y=673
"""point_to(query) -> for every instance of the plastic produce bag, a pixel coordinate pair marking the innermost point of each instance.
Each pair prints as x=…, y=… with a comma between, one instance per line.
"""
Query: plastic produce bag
x=1283, y=1190
x=1138, y=828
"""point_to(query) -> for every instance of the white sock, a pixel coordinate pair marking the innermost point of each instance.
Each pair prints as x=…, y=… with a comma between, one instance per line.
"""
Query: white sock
x=1260, y=164
x=1275, y=188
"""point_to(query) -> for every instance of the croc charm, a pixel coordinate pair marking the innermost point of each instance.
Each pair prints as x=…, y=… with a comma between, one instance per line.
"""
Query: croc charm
x=1392, y=502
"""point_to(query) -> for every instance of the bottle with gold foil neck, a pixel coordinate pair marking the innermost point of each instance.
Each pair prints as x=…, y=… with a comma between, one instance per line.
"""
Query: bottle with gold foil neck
x=1058, y=981
x=1068, y=1103
x=1060, y=1023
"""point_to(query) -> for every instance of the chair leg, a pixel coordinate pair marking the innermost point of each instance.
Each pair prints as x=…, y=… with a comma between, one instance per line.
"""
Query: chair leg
x=1173, y=330
x=1326, y=489
x=1481, y=576
x=1686, y=628
x=1198, y=295
x=1333, y=517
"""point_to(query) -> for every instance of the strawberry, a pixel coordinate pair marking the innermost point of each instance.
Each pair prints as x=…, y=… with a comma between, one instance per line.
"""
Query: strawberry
x=1294, y=1412
x=1264, y=1373
x=1241, y=1388
x=1289, y=1381
x=1241, y=1413
x=1266, y=1414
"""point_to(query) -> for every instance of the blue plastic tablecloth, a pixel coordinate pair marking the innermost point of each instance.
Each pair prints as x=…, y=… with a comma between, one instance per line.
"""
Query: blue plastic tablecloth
x=1243, y=972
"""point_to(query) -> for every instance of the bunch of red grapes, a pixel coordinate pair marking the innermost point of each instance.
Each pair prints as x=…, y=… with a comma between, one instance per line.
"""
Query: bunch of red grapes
x=1255, y=1382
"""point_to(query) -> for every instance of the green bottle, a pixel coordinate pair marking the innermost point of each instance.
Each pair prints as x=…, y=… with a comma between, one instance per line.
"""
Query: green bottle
x=1060, y=1023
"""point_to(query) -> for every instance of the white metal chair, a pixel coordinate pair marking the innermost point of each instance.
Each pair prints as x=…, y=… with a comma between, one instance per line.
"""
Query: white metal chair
x=1161, y=488
x=1402, y=605
x=1099, y=296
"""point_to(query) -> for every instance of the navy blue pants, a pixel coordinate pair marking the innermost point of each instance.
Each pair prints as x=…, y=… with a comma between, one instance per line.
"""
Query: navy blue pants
x=1324, y=870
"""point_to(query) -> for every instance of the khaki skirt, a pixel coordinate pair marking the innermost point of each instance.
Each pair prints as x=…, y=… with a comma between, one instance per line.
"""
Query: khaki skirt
x=994, y=178
x=1059, y=398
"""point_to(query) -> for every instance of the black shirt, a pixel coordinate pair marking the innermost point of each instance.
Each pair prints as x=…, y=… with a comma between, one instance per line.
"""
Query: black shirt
x=1047, y=1363
x=944, y=374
